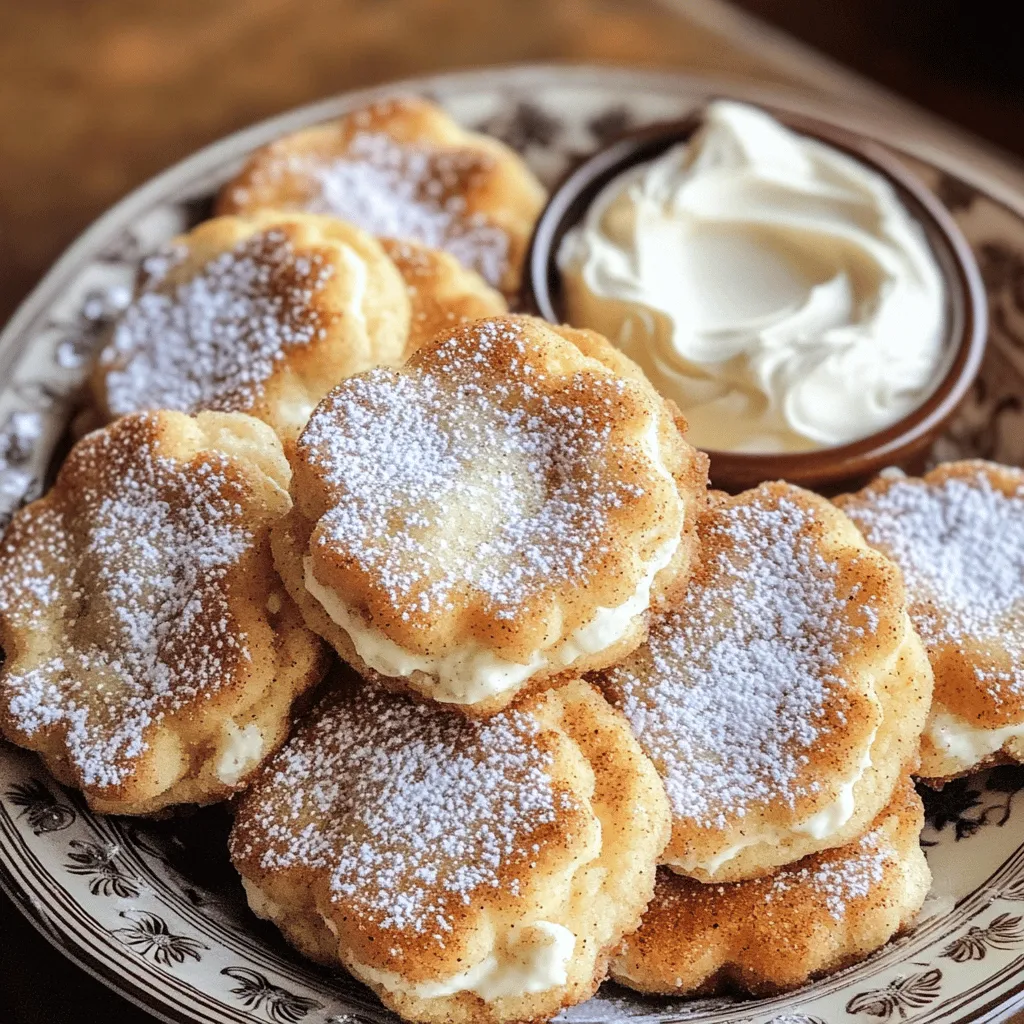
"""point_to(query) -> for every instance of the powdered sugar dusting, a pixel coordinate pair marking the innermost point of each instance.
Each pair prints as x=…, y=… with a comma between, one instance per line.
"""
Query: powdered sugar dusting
x=445, y=481
x=212, y=341
x=411, y=809
x=839, y=877
x=409, y=191
x=125, y=570
x=960, y=545
x=730, y=694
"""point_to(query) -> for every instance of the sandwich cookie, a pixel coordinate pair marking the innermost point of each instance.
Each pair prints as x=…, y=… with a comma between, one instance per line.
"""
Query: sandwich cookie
x=783, y=696
x=152, y=655
x=465, y=870
x=503, y=509
x=958, y=536
x=768, y=935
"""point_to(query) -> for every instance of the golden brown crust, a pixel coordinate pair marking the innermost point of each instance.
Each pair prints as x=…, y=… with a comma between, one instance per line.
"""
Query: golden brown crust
x=567, y=812
x=261, y=314
x=403, y=168
x=146, y=632
x=443, y=294
x=516, y=384
x=786, y=684
x=958, y=536
x=774, y=934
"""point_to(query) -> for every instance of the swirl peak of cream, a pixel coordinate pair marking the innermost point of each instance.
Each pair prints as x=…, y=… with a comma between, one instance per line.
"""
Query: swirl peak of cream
x=777, y=289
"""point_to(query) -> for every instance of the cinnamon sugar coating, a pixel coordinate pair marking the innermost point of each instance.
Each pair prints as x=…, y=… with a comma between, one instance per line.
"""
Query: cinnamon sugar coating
x=783, y=696
x=772, y=934
x=443, y=294
x=261, y=314
x=412, y=845
x=403, y=169
x=152, y=656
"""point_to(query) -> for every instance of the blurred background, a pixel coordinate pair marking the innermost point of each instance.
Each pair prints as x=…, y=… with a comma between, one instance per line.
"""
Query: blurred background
x=96, y=96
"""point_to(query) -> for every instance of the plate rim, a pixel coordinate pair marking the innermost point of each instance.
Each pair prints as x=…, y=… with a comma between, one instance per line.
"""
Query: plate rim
x=508, y=78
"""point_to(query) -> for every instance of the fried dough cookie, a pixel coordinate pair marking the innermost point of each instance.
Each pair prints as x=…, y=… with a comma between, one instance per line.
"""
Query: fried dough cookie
x=958, y=536
x=771, y=934
x=500, y=511
x=784, y=695
x=152, y=654
x=443, y=294
x=467, y=871
x=402, y=168
x=262, y=315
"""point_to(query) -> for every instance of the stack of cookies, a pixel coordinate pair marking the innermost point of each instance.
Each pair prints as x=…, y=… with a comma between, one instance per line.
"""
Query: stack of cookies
x=504, y=701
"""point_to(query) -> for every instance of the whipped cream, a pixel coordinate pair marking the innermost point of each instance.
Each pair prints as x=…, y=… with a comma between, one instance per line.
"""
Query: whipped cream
x=471, y=673
x=775, y=288
x=965, y=743
x=537, y=961
x=241, y=750
x=822, y=825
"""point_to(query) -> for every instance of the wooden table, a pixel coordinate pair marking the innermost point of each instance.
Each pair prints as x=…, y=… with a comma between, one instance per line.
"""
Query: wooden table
x=97, y=96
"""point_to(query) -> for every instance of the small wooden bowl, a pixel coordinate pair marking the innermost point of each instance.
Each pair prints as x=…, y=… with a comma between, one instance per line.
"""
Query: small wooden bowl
x=905, y=443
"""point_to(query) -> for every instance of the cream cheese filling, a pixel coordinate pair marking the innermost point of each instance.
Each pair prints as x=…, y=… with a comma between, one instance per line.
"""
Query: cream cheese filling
x=536, y=961
x=821, y=825
x=965, y=743
x=472, y=673
x=242, y=749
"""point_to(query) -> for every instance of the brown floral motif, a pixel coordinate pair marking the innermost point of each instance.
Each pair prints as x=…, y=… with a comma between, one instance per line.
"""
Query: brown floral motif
x=985, y=425
x=971, y=803
x=83, y=334
x=526, y=126
x=1002, y=932
x=40, y=808
x=150, y=937
x=610, y=124
x=99, y=862
x=1002, y=268
x=904, y=992
x=257, y=993
x=1014, y=891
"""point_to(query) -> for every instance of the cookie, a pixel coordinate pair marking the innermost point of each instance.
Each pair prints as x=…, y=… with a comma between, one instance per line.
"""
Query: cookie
x=958, y=536
x=771, y=934
x=261, y=315
x=152, y=655
x=466, y=870
x=499, y=511
x=402, y=168
x=783, y=696
x=443, y=294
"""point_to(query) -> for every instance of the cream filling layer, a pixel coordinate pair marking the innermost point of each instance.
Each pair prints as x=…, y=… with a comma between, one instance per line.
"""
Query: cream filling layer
x=241, y=751
x=822, y=825
x=472, y=673
x=964, y=743
x=537, y=961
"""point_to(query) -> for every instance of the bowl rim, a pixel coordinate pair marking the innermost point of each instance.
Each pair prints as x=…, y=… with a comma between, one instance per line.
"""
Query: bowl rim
x=967, y=306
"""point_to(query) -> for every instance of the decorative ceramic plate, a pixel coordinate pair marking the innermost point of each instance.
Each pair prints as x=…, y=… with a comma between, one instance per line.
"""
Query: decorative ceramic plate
x=154, y=909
